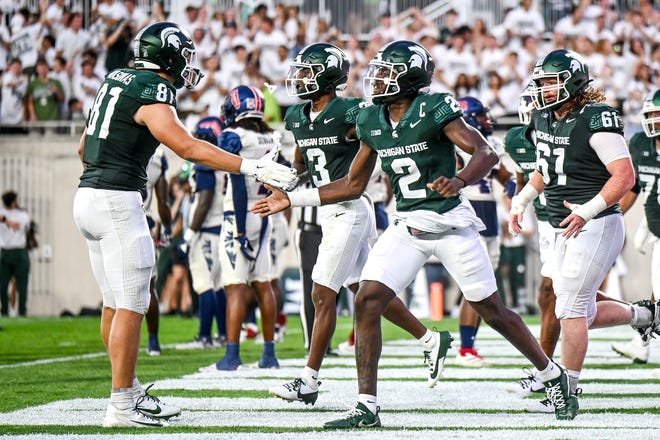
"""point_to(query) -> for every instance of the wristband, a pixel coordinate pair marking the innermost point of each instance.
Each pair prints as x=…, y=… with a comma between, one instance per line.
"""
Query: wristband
x=462, y=180
x=522, y=199
x=248, y=167
x=591, y=209
x=188, y=235
x=305, y=197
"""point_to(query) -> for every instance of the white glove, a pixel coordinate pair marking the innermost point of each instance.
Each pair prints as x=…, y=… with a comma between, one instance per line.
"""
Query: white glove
x=641, y=235
x=267, y=171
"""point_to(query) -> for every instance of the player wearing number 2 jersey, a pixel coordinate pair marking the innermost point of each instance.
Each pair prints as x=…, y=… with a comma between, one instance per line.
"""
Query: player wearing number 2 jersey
x=133, y=112
x=414, y=134
x=583, y=167
x=324, y=130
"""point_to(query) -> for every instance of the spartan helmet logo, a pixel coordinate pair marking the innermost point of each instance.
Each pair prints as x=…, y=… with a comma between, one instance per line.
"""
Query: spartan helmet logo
x=575, y=66
x=169, y=37
x=419, y=58
x=335, y=58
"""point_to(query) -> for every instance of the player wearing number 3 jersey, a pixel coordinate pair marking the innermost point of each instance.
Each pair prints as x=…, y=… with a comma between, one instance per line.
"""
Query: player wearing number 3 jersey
x=583, y=167
x=133, y=113
x=414, y=134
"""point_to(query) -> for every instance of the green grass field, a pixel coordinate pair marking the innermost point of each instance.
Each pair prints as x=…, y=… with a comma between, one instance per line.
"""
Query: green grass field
x=55, y=382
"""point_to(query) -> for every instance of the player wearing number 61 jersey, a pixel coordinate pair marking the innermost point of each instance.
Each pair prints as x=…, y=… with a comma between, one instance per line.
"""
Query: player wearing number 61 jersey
x=584, y=169
x=134, y=111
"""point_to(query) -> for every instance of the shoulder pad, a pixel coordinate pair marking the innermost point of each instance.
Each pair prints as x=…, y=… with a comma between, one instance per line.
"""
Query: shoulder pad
x=353, y=107
x=445, y=108
x=230, y=141
x=151, y=89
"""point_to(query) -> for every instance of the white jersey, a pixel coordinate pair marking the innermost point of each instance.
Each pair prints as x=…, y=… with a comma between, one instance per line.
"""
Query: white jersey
x=253, y=145
x=204, y=178
x=156, y=168
x=482, y=190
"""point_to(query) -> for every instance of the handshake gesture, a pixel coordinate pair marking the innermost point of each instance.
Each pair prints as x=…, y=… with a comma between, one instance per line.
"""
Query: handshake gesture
x=268, y=171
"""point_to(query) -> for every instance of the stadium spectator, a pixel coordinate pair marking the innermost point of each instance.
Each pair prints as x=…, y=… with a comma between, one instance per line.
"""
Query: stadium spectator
x=117, y=45
x=44, y=95
x=14, y=91
x=73, y=40
x=14, y=258
x=85, y=86
x=25, y=37
x=523, y=20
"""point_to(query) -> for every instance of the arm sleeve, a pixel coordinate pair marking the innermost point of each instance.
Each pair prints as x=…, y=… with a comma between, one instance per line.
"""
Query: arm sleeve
x=609, y=146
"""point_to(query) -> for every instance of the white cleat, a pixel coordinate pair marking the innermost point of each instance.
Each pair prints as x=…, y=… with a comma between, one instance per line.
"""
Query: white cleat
x=468, y=357
x=131, y=418
x=636, y=349
x=527, y=385
x=540, y=406
x=152, y=406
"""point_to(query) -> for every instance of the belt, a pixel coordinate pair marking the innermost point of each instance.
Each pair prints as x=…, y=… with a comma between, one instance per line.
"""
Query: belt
x=309, y=227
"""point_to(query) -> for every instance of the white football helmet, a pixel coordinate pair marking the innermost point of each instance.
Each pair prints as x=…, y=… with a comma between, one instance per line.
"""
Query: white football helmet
x=651, y=114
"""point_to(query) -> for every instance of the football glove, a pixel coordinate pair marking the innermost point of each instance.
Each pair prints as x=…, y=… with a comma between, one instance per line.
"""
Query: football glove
x=268, y=171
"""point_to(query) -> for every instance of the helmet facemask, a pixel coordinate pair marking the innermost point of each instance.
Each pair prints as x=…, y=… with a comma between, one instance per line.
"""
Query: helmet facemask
x=526, y=105
x=651, y=114
x=561, y=94
x=190, y=75
x=381, y=80
x=301, y=79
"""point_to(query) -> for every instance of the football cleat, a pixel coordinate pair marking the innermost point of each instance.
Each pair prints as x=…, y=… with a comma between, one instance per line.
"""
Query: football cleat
x=132, y=418
x=468, y=357
x=296, y=391
x=435, y=358
x=268, y=362
x=527, y=385
x=228, y=363
x=636, y=349
x=358, y=417
x=558, y=392
x=647, y=332
x=152, y=406
x=540, y=406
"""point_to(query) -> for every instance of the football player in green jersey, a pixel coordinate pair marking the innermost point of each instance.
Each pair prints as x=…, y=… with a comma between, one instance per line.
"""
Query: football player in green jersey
x=584, y=169
x=325, y=134
x=414, y=134
x=645, y=152
x=134, y=111
x=521, y=149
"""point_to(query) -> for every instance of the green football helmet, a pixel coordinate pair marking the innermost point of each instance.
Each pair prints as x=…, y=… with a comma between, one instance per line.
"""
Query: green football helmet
x=317, y=69
x=400, y=68
x=165, y=46
x=569, y=72
x=651, y=123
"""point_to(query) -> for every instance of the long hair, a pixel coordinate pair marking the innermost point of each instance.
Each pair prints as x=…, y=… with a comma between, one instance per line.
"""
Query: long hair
x=254, y=124
x=591, y=94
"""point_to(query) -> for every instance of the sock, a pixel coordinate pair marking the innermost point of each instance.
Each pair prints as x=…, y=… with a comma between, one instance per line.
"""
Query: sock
x=550, y=372
x=153, y=340
x=122, y=398
x=206, y=313
x=310, y=377
x=137, y=388
x=574, y=379
x=369, y=401
x=221, y=312
x=232, y=350
x=468, y=335
x=269, y=349
x=429, y=340
x=641, y=316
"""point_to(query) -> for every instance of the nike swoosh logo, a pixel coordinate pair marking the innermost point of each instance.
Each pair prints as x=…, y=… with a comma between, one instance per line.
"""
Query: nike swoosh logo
x=325, y=121
x=414, y=124
x=339, y=213
x=568, y=121
x=151, y=411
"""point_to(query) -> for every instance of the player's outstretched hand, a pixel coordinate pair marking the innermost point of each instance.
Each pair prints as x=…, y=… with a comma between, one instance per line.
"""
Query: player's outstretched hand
x=272, y=173
x=276, y=202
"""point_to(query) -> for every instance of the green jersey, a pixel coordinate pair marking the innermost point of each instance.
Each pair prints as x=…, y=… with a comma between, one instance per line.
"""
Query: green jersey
x=570, y=168
x=645, y=157
x=416, y=152
x=117, y=149
x=523, y=153
x=327, y=151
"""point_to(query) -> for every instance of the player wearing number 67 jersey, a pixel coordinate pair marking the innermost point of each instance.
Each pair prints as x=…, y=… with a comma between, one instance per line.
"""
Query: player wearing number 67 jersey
x=584, y=169
x=414, y=134
x=134, y=111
